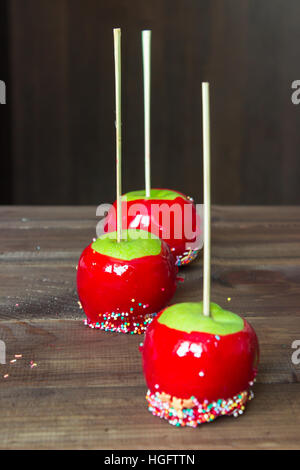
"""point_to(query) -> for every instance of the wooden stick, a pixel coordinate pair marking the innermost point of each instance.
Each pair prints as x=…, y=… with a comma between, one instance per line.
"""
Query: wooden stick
x=146, y=45
x=206, y=199
x=117, y=53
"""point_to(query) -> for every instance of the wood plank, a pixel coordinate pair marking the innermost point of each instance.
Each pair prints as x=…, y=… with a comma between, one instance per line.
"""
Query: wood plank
x=92, y=417
x=70, y=354
x=87, y=389
x=255, y=260
x=6, y=174
x=267, y=234
x=220, y=213
x=39, y=39
x=62, y=77
x=42, y=293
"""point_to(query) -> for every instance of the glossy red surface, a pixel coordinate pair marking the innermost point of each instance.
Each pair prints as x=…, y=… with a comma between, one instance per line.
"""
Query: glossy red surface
x=179, y=230
x=138, y=287
x=196, y=364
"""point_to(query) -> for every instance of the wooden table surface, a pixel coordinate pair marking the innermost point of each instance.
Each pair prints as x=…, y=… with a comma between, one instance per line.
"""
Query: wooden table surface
x=80, y=388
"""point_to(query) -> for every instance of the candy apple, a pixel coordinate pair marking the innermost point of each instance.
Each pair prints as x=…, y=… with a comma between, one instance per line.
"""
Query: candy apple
x=168, y=214
x=121, y=285
x=196, y=367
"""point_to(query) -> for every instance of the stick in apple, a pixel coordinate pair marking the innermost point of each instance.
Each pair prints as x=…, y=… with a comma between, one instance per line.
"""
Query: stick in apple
x=117, y=53
x=146, y=45
x=206, y=198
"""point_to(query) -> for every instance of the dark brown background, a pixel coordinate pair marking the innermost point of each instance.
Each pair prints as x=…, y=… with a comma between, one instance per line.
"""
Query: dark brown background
x=58, y=143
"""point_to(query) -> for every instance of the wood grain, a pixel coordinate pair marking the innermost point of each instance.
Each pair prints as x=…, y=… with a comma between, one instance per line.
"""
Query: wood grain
x=6, y=174
x=62, y=120
x=87, y=388
x=93, y=418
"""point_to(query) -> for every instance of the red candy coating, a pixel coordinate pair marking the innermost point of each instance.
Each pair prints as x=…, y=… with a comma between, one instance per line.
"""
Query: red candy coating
x=137, y=287
x=201, y=365
x=172, y=230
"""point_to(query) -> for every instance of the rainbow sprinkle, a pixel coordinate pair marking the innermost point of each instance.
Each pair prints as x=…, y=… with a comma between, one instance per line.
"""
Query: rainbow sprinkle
x=122, y=322
x=182, y=412
x=187, y=257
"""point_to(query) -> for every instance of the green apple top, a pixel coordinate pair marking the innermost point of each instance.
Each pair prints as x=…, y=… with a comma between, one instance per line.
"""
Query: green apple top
x=188, y=317
x=163, y=194
x=134, y=244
